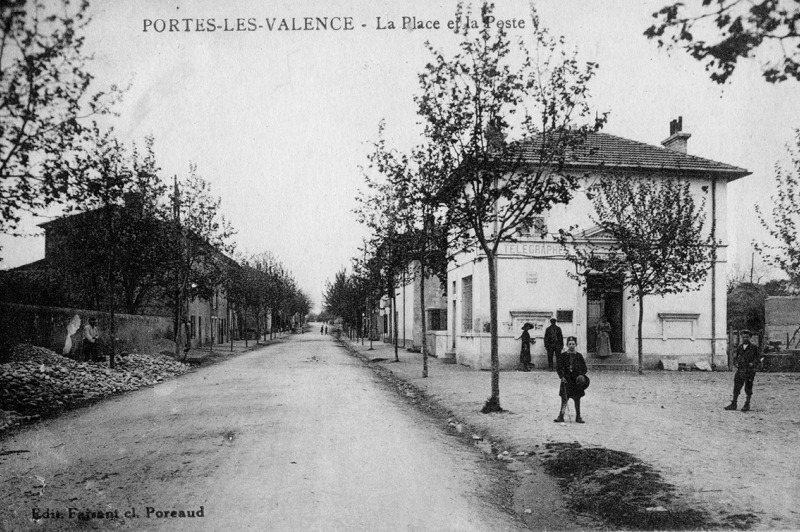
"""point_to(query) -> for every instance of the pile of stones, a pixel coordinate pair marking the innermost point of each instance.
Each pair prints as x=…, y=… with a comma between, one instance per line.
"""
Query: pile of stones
x=37, y=381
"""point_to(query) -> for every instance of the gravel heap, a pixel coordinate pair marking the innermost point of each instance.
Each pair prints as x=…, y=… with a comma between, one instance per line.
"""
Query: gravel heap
x=38, y=381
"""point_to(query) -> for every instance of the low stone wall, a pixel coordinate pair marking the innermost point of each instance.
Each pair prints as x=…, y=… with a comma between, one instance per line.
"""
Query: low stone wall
x=48, y=326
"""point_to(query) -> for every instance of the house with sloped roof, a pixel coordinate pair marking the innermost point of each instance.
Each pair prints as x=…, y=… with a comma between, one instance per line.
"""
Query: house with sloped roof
x=534, y=285
x=209, y=320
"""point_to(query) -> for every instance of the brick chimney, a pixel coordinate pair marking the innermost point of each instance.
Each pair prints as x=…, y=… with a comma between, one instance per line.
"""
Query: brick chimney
x=677, y=138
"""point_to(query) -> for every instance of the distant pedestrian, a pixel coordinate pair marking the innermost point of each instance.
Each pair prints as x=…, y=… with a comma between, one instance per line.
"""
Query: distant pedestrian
x=326, y=329
x=553, y=343
x=90, y=336
x=321, y=328
x=745, y=362
x=525, y=348
x=572, y=370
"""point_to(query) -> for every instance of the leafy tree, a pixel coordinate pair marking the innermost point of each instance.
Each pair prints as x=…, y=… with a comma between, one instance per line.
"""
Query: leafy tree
x=471, y=102
x=651, y=241
x=44, y=94
x=405, y=211
x=108, y=251
x=746, y=306
x=299, y=305
x=785, y=219
x=344, y=298
x=199, y=239
x=380, y=210
x=721, y=32
x=115, y=247
x=424, y=221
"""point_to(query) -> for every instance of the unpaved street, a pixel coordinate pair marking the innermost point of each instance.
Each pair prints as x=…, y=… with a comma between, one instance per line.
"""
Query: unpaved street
x=295, y=436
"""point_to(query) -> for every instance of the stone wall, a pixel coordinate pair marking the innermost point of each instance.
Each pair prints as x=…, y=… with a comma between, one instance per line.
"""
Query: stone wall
x=48, y=326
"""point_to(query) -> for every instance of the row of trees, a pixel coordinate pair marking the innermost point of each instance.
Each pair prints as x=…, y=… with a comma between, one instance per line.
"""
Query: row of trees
x=137, y=242
x=262, y=287
x=501, y=124
x=137, y=245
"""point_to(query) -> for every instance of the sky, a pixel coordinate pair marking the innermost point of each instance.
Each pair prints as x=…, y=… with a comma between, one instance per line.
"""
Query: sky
x=280, y=122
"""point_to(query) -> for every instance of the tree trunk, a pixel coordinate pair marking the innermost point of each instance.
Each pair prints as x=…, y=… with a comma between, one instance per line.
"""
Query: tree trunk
x=422, y=309
x=493, y=403
x=394, y=332
x=258, y=324
x=639, y=339
x=113, y=329
x=178, y=317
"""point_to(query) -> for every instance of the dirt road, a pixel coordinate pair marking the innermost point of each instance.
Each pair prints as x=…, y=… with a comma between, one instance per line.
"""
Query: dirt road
x=295, y=436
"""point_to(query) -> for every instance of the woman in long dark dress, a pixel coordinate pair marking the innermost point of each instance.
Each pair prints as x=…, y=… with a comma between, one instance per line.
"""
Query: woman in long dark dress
x=572, y=371
x=525, y=349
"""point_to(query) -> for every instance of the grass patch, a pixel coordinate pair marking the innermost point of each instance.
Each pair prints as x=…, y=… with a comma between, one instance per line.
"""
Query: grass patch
x=620, y=489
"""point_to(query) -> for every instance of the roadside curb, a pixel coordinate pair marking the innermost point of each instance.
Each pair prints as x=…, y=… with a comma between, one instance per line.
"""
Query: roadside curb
x=514, y=466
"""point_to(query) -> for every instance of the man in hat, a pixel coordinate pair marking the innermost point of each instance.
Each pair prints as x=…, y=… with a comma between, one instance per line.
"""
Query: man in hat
x=745, y=362
x=525, y=350
x=553, y=342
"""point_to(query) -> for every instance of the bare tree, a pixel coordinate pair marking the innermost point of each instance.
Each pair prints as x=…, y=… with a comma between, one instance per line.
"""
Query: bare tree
x=471, y=103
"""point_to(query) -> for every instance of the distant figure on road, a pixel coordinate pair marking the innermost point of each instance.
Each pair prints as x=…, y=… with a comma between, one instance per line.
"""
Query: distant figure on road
x=745, y=362
x=525, y=349
x=321, y=328
x=553, y=342
x=603, y=329
x=572, y=370
x=326, y=329
x=90, y=337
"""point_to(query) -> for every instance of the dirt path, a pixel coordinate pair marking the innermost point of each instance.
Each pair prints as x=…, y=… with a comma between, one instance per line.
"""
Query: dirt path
x=297, y=436
x=743, y=469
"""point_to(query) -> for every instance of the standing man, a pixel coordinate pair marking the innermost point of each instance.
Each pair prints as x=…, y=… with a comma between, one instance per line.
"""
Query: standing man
x=553, y=342
x=745, y=362
x=90, y=336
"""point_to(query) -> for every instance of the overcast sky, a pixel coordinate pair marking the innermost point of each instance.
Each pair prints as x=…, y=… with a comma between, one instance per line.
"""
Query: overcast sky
x=279, y=121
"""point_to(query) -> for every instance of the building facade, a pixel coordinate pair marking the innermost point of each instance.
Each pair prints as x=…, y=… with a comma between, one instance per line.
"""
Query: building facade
x=207, y=322
x=408, y=309
x=534, y=283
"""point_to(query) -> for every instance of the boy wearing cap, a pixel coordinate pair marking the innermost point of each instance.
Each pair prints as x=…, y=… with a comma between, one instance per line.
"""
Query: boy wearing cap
x=745, y=362
x=572, y=371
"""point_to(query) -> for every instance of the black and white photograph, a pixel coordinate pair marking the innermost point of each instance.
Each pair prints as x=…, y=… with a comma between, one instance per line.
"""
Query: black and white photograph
x=399, y=266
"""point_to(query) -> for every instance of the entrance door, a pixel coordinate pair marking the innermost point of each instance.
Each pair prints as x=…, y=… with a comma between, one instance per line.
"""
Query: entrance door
x=601, y=300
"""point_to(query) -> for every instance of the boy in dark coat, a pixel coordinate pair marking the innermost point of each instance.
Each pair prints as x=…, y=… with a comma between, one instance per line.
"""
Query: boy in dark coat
x=572, y=371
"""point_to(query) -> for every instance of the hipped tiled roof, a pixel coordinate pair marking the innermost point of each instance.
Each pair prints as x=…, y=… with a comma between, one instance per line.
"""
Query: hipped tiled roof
x=602, y=150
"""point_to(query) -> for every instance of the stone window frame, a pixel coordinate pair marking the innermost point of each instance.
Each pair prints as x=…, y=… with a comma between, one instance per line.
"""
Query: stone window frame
x=679, y=317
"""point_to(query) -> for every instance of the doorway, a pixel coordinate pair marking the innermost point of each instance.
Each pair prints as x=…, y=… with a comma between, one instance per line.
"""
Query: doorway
x=604, y=298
